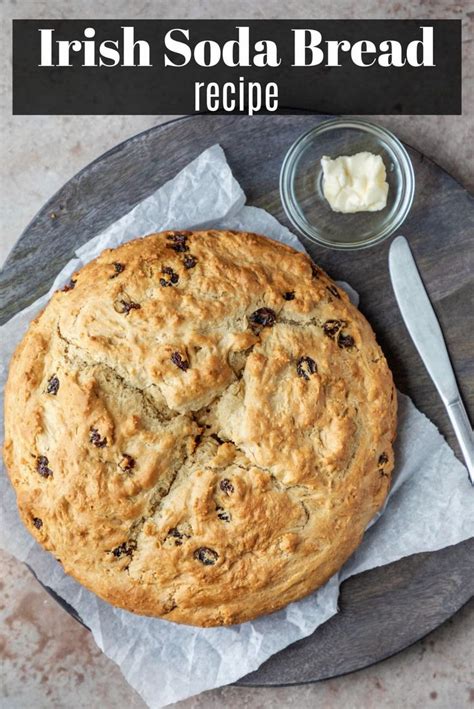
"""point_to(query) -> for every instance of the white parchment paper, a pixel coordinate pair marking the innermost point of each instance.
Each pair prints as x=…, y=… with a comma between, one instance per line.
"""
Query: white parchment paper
x=430, y=506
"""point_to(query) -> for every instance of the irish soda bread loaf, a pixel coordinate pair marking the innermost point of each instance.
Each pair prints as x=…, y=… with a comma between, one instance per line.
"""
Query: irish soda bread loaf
x=199, y=426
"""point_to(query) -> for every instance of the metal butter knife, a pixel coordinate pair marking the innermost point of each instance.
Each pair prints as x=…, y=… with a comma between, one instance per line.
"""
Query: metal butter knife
x=424, y=329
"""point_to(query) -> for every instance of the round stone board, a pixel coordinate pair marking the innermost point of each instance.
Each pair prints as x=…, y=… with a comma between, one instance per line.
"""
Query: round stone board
x=383, y=610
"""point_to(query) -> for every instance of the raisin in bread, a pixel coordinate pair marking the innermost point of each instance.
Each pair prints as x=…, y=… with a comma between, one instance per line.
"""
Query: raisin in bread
x=199, y=426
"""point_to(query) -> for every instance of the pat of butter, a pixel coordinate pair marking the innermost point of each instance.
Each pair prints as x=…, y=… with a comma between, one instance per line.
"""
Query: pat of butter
x=355, y=183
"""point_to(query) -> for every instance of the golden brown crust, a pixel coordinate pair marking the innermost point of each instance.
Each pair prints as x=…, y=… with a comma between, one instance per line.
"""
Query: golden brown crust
x=200, y=429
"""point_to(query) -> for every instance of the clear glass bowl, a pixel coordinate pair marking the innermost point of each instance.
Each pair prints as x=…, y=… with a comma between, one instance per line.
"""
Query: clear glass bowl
x=301, y=180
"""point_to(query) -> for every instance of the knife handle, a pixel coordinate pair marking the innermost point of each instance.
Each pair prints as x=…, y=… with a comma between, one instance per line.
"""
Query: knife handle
x=462, y=428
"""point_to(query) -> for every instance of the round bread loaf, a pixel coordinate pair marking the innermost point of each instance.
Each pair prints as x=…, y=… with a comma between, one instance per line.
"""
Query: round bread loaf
x=199, y=426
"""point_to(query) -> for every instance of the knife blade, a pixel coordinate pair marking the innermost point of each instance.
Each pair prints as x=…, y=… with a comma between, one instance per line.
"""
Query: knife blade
x=425, y=331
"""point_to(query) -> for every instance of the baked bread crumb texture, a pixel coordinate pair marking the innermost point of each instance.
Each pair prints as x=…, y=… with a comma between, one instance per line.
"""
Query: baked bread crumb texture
x=199, y=426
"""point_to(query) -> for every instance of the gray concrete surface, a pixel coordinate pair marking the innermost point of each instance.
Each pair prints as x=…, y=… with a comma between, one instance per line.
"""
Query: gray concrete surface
x=46, y=658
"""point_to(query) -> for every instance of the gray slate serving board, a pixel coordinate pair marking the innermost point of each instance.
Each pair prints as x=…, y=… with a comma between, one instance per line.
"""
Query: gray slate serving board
x=383, y=610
